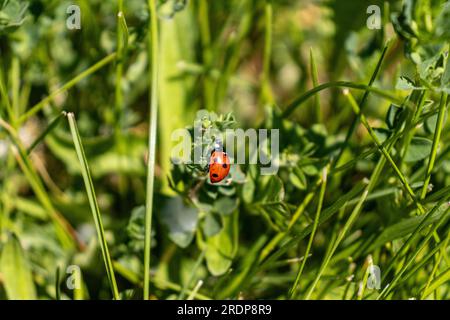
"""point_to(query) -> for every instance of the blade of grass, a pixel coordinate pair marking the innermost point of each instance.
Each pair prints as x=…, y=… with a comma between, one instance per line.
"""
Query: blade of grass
x=402, y=229
x=93, y=204
x=361, y=290
x=426, y=290
x=439, y=207
x=352, y=218
x=153, y=52
x=421, y=264
x=411, y=258
x=52, y=125
x=436, y=139
x=158, y=282
x=315, y=81
x=326, y=214
x=6, y=102
x=313, y=233
x=15, y=86
x=122, y=47
x=338, y=84
x=351, y=163
x=37, y=107
x=338, y=240
x=441, y=279
x=411, y=124
x=80, y=292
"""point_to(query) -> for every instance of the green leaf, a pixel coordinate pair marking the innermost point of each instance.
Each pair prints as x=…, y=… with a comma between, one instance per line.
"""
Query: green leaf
x=298, y=179
x=15, y=267
x=12, y=15
x=382, y=134
x=430, y=122
x=419, y=149
x=181, y=221
x=393, y=116
x=269, y=202
x=135, y=227
x=222, y=247
x=225, y=205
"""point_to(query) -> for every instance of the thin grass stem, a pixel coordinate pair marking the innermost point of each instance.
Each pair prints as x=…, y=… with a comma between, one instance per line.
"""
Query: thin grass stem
x=153, y=52
x=93, y=204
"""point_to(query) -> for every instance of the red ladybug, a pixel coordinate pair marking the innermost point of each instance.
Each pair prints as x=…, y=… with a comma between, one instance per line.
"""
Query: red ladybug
x=219, y=166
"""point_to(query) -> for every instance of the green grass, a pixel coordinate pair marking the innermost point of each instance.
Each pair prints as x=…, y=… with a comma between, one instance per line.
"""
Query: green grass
x=93, y=204
x=153, y=49
x=364, y=176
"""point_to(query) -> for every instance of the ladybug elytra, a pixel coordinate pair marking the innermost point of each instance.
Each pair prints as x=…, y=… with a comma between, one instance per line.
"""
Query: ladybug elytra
x=219, y=166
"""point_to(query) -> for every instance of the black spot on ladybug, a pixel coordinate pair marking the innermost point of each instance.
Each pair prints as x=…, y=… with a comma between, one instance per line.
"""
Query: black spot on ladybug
x=215, y=175
x=224, y=166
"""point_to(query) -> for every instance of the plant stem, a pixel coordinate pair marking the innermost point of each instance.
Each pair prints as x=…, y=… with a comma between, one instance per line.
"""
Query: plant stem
x=153, y=52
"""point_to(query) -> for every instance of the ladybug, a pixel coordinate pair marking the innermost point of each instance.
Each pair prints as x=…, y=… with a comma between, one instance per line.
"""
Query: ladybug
x=219, y=166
